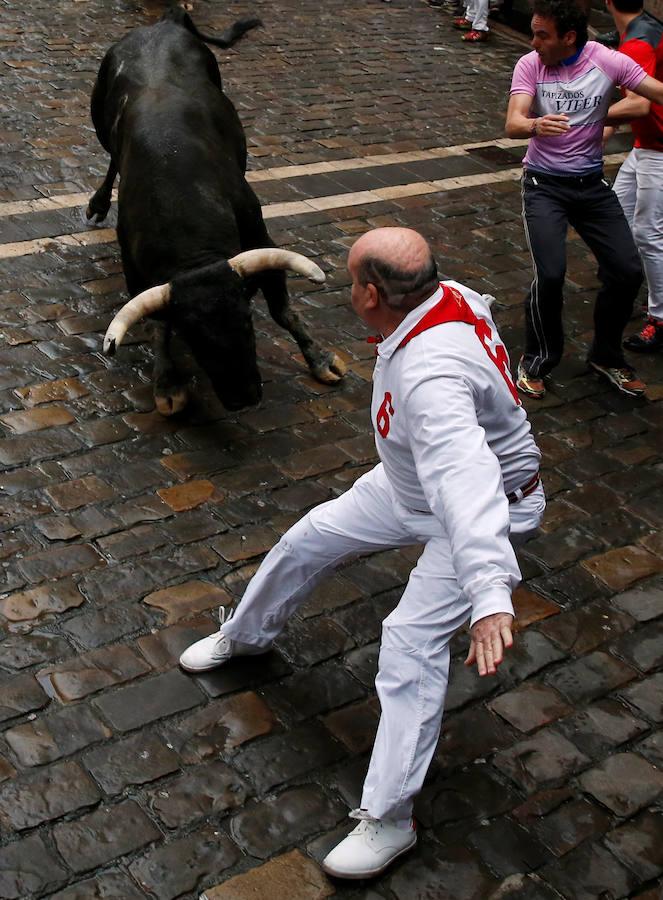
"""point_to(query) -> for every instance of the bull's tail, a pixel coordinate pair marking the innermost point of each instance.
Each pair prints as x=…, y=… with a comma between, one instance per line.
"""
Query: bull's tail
x=229, y=37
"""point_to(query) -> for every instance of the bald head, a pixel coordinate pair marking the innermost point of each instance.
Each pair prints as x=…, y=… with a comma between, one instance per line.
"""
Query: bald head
x=399, y=262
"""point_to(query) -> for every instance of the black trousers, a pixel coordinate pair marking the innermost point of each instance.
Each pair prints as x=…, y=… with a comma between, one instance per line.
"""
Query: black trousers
x=588, y=203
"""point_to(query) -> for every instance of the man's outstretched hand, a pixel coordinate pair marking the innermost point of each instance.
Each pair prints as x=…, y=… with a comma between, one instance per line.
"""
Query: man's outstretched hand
x=490, y=637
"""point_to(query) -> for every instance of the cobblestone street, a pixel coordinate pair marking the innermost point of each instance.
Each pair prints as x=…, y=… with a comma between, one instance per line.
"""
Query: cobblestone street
x=122, y=532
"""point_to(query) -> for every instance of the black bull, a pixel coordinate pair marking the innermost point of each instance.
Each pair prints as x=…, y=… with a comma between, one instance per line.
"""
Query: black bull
x=186, y=212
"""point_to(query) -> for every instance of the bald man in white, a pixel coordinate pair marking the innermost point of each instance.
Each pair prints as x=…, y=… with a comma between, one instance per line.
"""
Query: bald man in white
x=459, y=473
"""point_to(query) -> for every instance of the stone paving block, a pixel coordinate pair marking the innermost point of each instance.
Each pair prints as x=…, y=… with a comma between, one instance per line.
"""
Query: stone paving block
x=643, y=648
x=469, y=735
x=6, y=769
x=139, y=704
x=601, y=726
x=210, y=789
x=530, y=607
x=262, y=829
x=624, y=783
x=531, y=652
x=92, y=672
x=362, y=621
x=589, y=872
x=19, y=695
x=19, y=651
x=530, y=706
x=200, y=855
x=331, y=594
x=108, y=886
x=251, y=542
x=506, y=848
x=476, y=794
x=187, y=599
x=620, y=568
x=639, y=844
x=29, y=867
x=220, y=726
x=128, y=581
x=310, y=463
x=21, y=450
x=363, y=663
x=284, y=757
x=101, y=836
x=50, y=391
x=586, y=628
x=590, y=676
x=95, y=628
x=652, y=748
x=79, y=492
x=355, y=725
x=455, y=875
x=541, y=760
x=466, y=685
x=291, y=876
x=647, y=697
x=572, y=823
x=562, y=547
x=182, y=497
x=36, y=419
x=317, y=690
x=137, y=760
x=571, y=586
x=55, y=735
x=60, y=562
x=311, y=642
x=132, y=542
x=54, y=597
x=45, y=795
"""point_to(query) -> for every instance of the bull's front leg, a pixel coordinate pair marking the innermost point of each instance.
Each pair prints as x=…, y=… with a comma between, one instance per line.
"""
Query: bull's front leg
x=100, y=201
x=325, y=365
x=170, y=393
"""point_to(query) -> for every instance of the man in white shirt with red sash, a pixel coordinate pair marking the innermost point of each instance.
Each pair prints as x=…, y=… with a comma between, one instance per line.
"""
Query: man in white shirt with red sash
x=458, y=472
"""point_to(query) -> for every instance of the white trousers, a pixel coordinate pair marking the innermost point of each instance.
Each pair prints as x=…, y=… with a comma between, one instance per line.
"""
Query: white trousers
x=639, y=187
x=414, y=653
x=477, y=13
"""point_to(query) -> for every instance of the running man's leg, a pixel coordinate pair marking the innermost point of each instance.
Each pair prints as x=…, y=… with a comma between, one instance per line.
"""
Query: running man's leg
x=545, y=220
x=647, y=224
x=360, y=521
x=412, y=683
x=599, y=220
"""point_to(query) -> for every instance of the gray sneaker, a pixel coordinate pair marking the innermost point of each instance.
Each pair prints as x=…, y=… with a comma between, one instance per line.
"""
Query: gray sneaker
x=216, y=649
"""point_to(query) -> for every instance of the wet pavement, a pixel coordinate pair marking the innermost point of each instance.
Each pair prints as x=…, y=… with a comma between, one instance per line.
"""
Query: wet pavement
x=122, y=532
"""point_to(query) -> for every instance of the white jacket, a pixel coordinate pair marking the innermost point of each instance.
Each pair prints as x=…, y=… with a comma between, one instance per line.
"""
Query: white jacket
x=453, y=436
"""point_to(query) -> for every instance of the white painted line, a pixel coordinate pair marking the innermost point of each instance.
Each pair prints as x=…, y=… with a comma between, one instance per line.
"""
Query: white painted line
x=296, y=208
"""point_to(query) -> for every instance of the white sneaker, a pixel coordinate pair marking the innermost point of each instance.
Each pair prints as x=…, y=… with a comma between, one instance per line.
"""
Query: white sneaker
x=216, y=649
x=369, y=849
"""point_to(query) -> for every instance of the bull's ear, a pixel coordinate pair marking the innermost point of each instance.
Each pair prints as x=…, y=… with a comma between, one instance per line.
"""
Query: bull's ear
x=252, y=261
x=150, y=301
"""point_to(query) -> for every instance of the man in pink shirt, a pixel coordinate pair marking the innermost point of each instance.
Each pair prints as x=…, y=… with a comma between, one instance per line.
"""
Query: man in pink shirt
x=560, y=95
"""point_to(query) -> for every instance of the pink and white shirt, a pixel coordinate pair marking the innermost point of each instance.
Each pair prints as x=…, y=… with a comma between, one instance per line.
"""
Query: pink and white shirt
x=581, y=90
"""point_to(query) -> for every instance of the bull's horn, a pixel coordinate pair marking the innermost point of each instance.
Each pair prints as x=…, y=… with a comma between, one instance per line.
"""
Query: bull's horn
x=251, y=261
x=150, y=301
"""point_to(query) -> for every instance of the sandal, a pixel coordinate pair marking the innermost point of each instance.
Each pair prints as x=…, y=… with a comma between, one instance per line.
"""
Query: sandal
x=462, y=23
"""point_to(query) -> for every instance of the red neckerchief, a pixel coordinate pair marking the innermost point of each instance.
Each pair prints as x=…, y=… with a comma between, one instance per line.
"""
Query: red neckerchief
x=452, y=307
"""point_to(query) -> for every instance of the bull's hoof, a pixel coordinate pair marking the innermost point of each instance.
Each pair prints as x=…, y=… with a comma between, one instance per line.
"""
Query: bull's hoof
x=171, y=403
x=96, y=213
x=330, y=369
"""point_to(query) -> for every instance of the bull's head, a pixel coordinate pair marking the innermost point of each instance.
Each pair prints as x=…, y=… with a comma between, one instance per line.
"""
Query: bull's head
x=209, y=307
